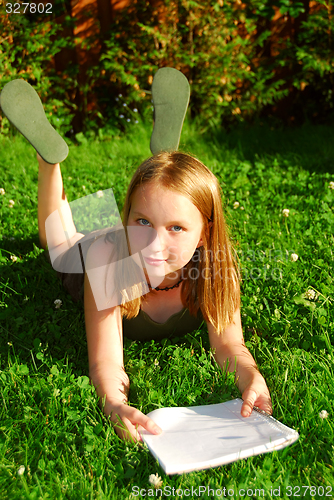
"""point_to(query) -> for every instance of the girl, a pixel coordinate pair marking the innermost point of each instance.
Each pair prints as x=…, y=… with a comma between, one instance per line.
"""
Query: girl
x=179, y=199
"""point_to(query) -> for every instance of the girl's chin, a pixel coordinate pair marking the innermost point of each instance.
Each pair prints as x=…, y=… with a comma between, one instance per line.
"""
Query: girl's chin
x=155, y=273
x=163, y=270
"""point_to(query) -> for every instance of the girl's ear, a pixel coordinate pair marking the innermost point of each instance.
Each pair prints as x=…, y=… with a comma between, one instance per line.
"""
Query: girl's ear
x=200, y=243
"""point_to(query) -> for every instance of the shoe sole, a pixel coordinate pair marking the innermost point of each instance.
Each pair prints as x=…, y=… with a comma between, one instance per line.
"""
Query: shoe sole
x=24, y=109
x=170, y=95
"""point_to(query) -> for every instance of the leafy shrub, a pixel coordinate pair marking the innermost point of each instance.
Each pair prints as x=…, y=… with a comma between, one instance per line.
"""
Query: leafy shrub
x=27, y=48
x=237, y=64
x=243, y=60
x=213, y=43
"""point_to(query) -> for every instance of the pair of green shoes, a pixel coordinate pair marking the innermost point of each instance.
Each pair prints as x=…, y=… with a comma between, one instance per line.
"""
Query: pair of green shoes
x=23, y=108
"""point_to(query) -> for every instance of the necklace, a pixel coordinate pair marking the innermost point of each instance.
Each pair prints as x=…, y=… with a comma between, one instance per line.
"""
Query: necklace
x=166, y=288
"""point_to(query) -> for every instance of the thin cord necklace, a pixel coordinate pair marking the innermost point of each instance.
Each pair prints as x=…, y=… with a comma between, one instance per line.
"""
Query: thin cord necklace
x=166, y=288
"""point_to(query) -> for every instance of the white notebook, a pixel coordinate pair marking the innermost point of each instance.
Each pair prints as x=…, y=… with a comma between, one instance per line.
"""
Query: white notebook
x=200, y=437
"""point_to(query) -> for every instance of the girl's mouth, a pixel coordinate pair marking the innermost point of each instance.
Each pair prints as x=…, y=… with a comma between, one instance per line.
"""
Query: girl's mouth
x=153, y=262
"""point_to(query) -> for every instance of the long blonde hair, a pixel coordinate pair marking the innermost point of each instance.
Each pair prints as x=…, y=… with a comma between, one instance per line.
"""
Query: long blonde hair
x=216, y=288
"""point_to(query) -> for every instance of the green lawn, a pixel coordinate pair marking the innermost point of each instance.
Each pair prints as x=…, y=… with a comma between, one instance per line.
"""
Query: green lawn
x=50, y=421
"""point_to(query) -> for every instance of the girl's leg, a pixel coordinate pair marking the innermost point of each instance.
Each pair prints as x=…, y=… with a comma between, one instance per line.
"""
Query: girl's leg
x=51, y=197
x=23, y=107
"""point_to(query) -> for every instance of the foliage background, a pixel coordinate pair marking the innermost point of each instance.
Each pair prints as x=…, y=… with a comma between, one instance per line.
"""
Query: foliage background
x=244, y=60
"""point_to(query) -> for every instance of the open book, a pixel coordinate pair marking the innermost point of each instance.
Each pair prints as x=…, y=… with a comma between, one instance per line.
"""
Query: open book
x=200, y=437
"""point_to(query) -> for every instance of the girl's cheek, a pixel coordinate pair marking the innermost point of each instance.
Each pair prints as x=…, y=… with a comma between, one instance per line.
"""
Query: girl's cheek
x=173, y=258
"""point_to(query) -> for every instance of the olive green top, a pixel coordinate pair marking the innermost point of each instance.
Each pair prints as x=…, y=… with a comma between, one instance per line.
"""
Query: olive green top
x=142, y=327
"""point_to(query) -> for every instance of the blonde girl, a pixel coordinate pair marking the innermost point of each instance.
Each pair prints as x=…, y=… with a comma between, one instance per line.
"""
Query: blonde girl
x=178, y=197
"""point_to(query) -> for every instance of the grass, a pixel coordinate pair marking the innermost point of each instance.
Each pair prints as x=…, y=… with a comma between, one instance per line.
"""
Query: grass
x=49, y=417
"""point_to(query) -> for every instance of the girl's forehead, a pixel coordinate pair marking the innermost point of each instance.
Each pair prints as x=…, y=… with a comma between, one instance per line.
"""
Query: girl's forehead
x=162, y=198
x=154, y=190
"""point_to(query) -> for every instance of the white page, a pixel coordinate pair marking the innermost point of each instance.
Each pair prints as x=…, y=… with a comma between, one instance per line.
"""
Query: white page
x=200, y=437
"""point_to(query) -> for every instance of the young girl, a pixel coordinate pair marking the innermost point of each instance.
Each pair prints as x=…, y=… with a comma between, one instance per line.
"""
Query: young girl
x=179, y=199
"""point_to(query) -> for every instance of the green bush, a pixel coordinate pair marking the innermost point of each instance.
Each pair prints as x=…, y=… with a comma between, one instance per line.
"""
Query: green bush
x=214, y=46
x=241, y=61
x=28, y=45
x=236, y=63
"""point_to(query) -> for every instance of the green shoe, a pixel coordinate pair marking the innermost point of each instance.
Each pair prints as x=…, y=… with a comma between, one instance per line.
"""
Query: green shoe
x=170, y=95
x=23, y=108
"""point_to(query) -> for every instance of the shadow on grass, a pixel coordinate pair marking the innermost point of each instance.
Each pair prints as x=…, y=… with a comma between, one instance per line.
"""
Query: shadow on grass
x=30, y=323
x=310, y=146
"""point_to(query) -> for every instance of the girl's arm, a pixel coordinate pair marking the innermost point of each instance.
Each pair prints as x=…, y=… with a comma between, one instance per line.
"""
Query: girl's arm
x=105, y=355
x=231, y=353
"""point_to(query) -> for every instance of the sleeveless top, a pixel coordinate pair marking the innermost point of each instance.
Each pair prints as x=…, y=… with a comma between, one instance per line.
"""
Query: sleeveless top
x=142, y=327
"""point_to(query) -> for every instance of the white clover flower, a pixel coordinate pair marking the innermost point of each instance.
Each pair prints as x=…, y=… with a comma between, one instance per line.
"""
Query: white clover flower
x=135, y=110
x=294, y=257
x=57, y=303
x=286, y=212
x=331, y=185
x=84, y=188
x=100, y=194
x=2, y=191
x=155, y=480
x=236, y=204
x=242, y=208
x=20, y=470
x=310, y=294
x=11, y=203
x=323, y=414
x=156, y=362
x=13, y=258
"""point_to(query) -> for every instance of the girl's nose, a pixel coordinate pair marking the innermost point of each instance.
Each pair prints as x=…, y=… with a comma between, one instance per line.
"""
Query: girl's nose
x=158, y=246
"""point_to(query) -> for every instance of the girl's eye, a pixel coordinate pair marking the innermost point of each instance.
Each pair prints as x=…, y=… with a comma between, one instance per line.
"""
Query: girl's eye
x=141, y=219
x=172, y=226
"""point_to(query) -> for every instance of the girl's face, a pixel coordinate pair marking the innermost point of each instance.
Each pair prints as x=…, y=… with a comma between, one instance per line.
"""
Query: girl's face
x=175, y=229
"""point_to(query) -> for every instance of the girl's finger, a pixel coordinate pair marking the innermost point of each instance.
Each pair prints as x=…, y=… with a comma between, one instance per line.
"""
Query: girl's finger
x=127, y=427
x=146, y=422
x=266, y=405
x=127, y=431
x=249, y=397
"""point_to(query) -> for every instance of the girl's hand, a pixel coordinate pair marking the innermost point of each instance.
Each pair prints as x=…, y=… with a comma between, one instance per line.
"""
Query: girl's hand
x=257, y=394
x=127, y=419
